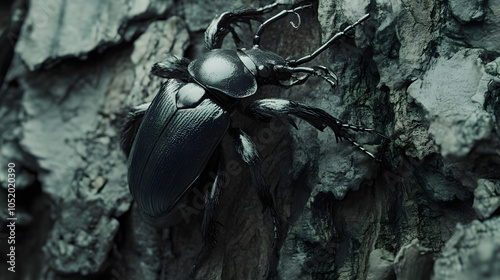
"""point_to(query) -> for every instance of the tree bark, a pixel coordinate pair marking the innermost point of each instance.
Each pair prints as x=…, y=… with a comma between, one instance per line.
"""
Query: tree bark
x=424, y=73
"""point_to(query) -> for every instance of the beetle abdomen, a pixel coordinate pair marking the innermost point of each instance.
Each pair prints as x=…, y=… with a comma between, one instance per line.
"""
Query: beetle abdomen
x=172, y=148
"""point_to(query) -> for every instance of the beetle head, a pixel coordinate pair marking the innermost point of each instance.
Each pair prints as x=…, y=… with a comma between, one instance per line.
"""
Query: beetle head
x=264, y=65
x=270, y=68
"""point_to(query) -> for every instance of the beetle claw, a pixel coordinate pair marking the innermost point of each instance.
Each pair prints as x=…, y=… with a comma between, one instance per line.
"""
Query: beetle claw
x=295, y=81
x=327, y=75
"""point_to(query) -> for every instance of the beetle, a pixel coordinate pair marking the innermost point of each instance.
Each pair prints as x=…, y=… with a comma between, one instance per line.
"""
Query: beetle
x=170, y=142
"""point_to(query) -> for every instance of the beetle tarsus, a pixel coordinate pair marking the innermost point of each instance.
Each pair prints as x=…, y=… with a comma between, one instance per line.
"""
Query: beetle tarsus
x=327, y=75
x=362, y=129
x=295, y=81
x=361, y=148
x=320, y=71
x=201, y=255
x=276, y=223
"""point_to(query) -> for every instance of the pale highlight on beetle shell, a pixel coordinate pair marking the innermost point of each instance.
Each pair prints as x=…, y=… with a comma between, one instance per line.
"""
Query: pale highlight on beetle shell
x=222, y=70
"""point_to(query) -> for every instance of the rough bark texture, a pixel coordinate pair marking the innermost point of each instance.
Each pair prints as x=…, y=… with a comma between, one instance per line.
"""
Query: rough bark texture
x=425, y=73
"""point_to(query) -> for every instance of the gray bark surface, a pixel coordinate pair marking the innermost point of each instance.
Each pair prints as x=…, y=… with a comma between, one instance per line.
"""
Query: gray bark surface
x=424, y=73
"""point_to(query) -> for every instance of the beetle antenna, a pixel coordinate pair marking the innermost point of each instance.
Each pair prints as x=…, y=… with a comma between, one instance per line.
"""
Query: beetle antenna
x=256, y=38
x=310, y=57
x=296, y=26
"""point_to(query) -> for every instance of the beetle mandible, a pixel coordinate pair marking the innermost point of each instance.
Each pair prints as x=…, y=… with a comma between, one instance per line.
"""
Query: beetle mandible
x=170, y=141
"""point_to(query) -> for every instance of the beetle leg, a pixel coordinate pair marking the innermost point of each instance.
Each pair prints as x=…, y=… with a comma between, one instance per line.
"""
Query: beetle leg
x=363, y=129
x=295, y=81
x=209, y=226
x=131, y=125
x=222, y=25
x=250, y=155
x=267, y=109
x=320, y=71
x=172, y=67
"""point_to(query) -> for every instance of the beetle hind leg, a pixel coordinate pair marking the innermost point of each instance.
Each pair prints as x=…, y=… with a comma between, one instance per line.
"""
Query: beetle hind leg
x=212, y=196
x=210, y=226
x=249, y=154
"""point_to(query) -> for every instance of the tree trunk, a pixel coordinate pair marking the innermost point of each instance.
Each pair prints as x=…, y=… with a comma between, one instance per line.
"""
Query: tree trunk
x=424, y=73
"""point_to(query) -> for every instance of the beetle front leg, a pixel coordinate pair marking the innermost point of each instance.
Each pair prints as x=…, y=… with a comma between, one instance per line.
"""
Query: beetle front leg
x=250, y=155
x=267, y=109
x=320, y=71
x=131, y=125
x=222, y=25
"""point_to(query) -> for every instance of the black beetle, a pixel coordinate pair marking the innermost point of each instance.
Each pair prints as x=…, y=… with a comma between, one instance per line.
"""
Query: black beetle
x=170, y=141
